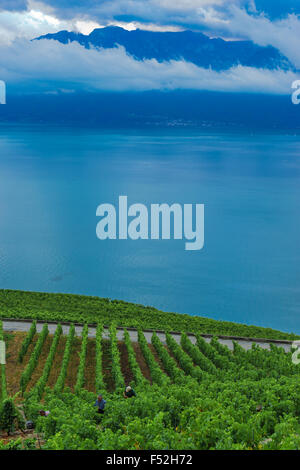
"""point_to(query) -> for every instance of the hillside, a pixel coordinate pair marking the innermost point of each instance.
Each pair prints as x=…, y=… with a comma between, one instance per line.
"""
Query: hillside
x=81, y=309
x=188, y=396
x=190, y=46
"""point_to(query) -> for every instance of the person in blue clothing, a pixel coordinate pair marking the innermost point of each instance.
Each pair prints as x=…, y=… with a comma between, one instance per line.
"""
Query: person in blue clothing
x=100, y=403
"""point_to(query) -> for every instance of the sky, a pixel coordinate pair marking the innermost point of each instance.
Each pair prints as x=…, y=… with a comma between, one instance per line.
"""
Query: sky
x=49, y=65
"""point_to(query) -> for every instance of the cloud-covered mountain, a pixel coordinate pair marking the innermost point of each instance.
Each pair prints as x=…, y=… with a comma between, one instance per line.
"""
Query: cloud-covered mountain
x=193, y=47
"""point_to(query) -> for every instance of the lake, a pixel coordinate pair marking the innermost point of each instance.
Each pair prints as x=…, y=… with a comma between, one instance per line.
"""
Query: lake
x=53, y=179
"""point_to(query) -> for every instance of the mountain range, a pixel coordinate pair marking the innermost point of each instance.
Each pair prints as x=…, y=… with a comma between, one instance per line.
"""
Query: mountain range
x=194, y=47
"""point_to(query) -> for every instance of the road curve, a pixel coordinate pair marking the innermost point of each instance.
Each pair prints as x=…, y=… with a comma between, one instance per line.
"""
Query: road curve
x=246, y=343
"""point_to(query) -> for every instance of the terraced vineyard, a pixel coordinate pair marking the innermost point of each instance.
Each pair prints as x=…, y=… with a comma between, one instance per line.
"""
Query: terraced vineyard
x=86, y=309
x=189, y=396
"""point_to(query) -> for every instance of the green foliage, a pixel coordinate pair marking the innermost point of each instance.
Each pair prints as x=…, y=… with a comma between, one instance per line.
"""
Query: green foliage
x=19, y=444
x=100, y=387
x=200, y=359
x=212, y=414
x=116, y=360
x=39, y=387
x=169, y=363
x=60, y=383
x=27, y=341
x=81, y=367
x=212, y=354
x=157, y=374
x=3, y=389
x=184, y=359
x=86, y=309
x=202, y=396
x=134, y=366
x=27, y=373
x=10, y=417
x=3, y=383
x=286, y=435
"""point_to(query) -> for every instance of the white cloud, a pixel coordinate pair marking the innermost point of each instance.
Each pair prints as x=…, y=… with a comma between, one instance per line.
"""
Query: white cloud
x=40, y=19
x=28, y=25
x=49, y=64
x=225, y=18
x=35, y=22
x=283, y=34
x=184, y=5
x=145, y=26
x=86, y=27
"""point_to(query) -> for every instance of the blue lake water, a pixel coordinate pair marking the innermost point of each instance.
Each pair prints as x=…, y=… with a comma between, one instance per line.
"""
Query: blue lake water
x=52, y=180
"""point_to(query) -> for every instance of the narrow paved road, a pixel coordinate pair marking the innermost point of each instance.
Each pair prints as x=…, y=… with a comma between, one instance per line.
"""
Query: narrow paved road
x=15, y=325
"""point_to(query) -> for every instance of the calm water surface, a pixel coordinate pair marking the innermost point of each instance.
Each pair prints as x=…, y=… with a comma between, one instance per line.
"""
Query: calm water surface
x=52, y=180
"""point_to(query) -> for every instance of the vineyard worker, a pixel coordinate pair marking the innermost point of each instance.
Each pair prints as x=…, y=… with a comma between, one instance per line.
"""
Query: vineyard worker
x=129, y=392
x=100, y=403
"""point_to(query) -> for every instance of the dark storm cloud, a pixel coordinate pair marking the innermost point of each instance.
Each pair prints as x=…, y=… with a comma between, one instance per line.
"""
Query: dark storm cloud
x=179, y=11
